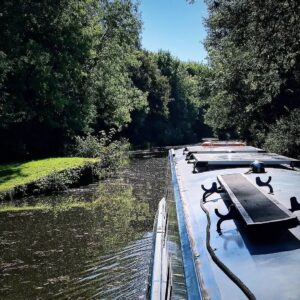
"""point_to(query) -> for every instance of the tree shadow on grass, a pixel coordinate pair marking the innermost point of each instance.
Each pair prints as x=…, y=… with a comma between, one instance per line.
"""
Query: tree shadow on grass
x=11, y=172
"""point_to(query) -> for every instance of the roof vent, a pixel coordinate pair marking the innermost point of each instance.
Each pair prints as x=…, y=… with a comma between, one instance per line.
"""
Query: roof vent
x=172, y=152
x=257, y=167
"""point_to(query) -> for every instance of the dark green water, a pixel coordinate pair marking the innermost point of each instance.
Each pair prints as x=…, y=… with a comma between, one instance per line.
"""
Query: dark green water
x=100, y=251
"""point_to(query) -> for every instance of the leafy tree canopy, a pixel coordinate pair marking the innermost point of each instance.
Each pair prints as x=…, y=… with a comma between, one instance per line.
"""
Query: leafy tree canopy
x=64, y=71
x=253, y=50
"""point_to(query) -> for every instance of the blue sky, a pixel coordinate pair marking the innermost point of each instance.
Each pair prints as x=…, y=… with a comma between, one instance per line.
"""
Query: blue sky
x=176, y=26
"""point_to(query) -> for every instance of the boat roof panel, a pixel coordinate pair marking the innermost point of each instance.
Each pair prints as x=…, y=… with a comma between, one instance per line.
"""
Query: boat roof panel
x=242, y=158
x=223, y=143
x=223, y=149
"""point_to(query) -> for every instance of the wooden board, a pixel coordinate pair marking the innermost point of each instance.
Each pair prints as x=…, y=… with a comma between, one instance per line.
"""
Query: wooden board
x=255, y=206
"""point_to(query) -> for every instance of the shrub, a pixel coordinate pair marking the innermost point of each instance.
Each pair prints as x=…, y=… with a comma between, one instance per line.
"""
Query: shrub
x=284, y=136
x=112, y=154
x=57, y=181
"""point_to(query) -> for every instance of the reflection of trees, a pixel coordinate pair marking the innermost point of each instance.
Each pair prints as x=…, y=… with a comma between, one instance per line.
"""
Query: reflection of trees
x=122, y=217
x=71, y=240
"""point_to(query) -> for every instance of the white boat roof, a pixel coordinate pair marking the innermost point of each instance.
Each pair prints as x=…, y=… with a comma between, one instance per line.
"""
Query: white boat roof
x=242, y=158
x=219, y=143
x=222, y=149
x=269, y=267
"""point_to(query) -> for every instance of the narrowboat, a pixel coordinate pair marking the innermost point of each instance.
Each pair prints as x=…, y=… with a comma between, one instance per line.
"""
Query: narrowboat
x=238, y=210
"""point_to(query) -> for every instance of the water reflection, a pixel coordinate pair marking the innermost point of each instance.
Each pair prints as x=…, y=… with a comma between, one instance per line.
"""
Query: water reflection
x=96, y=244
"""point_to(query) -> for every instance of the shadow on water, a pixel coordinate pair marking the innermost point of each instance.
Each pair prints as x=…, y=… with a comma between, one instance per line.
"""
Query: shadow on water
x=95, y=243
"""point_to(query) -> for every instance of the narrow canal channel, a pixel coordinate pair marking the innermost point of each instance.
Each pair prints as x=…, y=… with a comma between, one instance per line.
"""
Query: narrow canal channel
x=94, y=242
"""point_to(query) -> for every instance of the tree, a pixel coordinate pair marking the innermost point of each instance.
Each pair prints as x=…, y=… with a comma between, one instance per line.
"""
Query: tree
x=284, y=135
x=46, y=93
x=118, y=52
x=64, y=72
x=185, y=122
x=149, y=123
x=175, y=96
x=253, y=50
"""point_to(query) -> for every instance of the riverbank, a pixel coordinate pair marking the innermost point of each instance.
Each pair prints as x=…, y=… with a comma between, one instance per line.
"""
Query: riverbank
x=44, y=176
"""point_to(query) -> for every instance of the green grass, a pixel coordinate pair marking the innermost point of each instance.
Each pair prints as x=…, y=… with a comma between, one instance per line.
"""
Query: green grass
x=14, y=174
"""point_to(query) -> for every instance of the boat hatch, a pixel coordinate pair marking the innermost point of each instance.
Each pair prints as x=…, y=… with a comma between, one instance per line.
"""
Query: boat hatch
x=256, y=208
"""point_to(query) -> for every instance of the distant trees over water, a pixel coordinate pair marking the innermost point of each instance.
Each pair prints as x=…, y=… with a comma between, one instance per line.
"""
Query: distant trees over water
x=174, y=95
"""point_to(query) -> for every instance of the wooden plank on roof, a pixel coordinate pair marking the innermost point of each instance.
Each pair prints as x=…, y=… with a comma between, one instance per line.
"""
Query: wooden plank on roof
x=255, y=206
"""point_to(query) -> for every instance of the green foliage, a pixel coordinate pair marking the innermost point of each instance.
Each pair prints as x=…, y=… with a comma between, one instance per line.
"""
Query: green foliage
x=112, y=154
x=72, y=68
x=175, y=94
x=185, y=107
x=89, y=146
x=253, y=50
x=284, y=135
x=64, y=72
x=148, y=122
x=188, y=94
x=57, y=181
x=49, y=47
x=117, y=95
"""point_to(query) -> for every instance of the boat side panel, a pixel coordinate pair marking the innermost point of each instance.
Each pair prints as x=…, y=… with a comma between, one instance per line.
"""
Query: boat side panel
x=192, y=285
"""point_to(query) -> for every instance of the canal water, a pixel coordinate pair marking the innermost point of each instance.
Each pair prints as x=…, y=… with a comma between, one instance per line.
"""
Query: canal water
x=93, y=242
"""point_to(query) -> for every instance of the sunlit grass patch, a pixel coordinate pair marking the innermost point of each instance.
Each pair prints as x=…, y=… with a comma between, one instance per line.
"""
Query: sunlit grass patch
x=14, y=174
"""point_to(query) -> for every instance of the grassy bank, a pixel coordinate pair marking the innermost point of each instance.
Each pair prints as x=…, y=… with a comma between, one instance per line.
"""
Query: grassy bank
x=19, y=174
x=12, y=175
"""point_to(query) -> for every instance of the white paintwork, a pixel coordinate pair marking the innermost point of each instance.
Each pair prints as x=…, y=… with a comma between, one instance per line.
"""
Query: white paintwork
x=160, y=259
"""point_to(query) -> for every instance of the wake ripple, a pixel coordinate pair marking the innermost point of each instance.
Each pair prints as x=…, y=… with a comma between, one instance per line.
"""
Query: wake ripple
x=119, y=275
